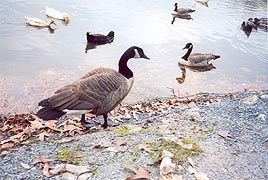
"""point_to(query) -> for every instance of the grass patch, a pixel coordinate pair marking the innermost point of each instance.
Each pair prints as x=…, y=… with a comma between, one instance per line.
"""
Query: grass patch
x=122, y=131
x=69, y=155
x=180, y=153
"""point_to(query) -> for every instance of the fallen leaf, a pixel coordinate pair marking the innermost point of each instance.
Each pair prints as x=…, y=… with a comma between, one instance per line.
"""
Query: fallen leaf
x=130, y=167
x=42, y=160
x=224, y=134
x=172, y=176
x=140, y=174
x=46, y=169
x=42, y=136
x=26, y=166
x=7, y=145
x=145, y=147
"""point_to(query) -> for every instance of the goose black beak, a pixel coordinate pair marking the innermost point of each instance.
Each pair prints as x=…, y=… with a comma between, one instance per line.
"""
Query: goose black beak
x=145, y=57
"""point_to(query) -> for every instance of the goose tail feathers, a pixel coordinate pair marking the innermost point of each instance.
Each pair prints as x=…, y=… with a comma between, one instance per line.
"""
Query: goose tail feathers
x=48, y=113
x=217, y=56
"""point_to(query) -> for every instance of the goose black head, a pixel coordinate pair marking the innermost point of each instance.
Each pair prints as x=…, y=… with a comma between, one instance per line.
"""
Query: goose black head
x=137, y=52
x=188, y=45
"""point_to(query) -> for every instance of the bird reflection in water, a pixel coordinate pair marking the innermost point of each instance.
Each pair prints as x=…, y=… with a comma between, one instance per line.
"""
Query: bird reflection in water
x=181, y=16
x=90, y=46
x=194, y=69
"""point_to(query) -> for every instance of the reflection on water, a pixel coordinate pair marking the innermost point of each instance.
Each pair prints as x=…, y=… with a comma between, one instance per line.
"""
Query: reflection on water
x=193, y=69
x=27, y=52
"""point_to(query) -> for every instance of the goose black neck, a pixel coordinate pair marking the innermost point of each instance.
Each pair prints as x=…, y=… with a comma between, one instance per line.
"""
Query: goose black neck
x=176, y=8
x=185, y=57
x=123, y=68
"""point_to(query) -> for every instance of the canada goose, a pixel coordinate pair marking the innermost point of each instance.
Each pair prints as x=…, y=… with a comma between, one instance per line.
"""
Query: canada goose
x=99, y=38
x=196, y=59
x=39, y=22
x=247, y=26
x=50, y=12
x=97, y=92
x=183, y=10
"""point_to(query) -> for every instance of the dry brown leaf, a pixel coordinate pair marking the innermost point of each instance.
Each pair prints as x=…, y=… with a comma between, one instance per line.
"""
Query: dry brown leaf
x=172, y=176
x=7, y=145
x=224, y=134
x=145, y=147
x=26, y=166
x=42, y=136
x=42, y=160
x=46, y=169
x=196, y=128
x=130, y=167
x=51, y=124
x=4, y=153
x=140, y=174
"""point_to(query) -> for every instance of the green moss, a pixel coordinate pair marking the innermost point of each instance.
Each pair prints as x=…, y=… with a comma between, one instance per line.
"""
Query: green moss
x=122, y=131
x=30, y=140
x=210, y=129
x=69, y=155
x=180, y=153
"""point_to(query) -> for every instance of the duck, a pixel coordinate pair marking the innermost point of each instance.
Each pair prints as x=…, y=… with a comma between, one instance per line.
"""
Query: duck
x=196, y=59
x=248, y=26
x=182, y=10
x=99, y=38
x=39, y=22
x=203, y=2
x=50, y=12
x=261, y=23
x=97, y=92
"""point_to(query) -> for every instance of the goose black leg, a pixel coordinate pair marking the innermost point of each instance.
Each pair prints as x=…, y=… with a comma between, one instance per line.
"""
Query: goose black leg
x=88, y=124
x=105, y=124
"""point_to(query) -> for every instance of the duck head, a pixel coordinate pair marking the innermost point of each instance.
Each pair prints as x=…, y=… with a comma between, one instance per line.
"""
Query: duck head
x=111, y=34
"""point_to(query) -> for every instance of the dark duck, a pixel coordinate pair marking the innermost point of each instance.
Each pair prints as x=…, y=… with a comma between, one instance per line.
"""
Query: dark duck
x=99, y=38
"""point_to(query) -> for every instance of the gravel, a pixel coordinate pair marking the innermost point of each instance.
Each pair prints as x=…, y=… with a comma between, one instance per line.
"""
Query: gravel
x=244, y=155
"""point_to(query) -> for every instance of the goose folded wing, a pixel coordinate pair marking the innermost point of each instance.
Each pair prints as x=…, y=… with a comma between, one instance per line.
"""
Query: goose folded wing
x=87, y=93
x=199, y=57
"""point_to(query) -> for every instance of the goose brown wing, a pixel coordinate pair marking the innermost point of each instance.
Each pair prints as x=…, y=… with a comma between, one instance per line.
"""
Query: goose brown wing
x=89, y=92
x=199, y=57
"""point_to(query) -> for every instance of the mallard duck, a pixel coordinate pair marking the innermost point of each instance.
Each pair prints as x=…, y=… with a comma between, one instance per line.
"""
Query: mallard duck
x=182, y=10
x=99, y=38
x=50, y=12
x=39, y=22
x=97, y=92
x=261, y=23
x=196, y=59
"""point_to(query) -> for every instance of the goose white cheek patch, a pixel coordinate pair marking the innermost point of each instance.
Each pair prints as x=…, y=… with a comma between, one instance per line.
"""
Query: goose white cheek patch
x=137, y=54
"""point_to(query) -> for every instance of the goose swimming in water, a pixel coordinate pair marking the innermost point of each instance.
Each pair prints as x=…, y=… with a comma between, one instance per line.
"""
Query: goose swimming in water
x=99, y=38
x=182, y=10
x=196, y=59
x=39, y=22
x=97, y=92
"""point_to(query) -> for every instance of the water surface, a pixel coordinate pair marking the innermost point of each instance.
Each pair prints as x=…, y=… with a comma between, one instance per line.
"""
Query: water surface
x=35, y=62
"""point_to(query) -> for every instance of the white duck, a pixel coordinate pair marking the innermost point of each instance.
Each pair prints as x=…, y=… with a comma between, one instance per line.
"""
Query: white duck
x=57, y=15
x=39, y=22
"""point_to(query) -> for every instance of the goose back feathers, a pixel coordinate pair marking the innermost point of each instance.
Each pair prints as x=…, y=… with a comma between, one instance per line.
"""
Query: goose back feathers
x=98, y=92
x=183, y=10
x=196, y=59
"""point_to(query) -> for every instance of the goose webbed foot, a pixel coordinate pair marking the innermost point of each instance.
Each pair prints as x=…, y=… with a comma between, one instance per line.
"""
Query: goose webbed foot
x=88, y=124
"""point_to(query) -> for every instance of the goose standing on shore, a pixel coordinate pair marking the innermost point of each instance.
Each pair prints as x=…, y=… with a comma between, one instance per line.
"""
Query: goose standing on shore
x=97, y=92
x=196, y=59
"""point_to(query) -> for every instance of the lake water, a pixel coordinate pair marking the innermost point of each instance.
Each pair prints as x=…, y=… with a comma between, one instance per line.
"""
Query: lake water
x=35, y=62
